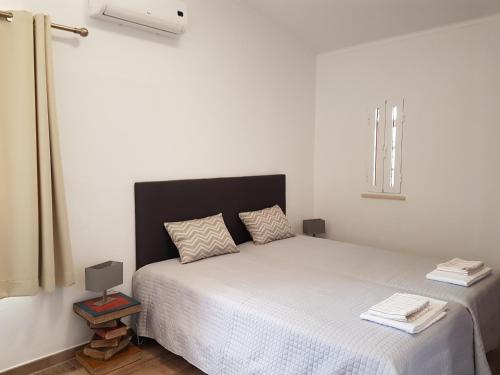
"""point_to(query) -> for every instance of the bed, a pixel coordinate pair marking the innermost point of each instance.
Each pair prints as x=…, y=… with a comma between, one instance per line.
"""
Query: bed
x=293, y=306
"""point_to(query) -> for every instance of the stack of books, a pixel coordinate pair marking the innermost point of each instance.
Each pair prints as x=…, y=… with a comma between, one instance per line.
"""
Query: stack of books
x=407, y=312
x=110, y=335
x=109, y=339
x=460, y=272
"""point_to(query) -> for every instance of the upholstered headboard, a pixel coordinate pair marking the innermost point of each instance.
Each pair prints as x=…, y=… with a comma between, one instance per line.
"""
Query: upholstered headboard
x=167, y=201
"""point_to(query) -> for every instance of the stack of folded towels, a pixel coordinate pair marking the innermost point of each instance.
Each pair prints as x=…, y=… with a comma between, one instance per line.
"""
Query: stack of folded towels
x=408, y=312
x=460, y=272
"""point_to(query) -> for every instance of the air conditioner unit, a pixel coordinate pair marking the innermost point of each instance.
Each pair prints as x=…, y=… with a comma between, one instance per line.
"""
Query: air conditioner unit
x=168, y=18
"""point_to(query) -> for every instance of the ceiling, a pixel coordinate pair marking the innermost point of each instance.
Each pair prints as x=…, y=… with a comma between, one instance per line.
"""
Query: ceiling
x=334, y=24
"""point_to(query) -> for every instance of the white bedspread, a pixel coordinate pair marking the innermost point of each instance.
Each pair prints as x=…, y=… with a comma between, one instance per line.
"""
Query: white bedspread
x=293, y=307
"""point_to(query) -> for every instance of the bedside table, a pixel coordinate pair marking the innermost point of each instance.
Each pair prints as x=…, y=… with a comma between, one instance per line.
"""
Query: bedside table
x=110, y=347
x=313, y=227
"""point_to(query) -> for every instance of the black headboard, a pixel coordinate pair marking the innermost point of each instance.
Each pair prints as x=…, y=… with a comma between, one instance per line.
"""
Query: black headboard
x=167, y=201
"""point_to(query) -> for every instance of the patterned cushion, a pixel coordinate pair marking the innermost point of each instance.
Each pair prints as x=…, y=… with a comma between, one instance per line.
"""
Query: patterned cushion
x=269, y=224
x=201, y=238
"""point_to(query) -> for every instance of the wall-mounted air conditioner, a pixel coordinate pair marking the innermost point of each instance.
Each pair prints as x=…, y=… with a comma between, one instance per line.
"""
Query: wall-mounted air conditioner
x=169, y=17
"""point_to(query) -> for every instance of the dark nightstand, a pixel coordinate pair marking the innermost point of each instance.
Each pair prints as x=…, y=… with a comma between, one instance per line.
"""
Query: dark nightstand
x=110, y=347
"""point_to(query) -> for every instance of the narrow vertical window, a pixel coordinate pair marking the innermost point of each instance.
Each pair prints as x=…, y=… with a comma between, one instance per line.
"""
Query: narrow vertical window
x=394, y=147
x=375, y=141
x=394, y=130
x=385, y=151
x=376, y=154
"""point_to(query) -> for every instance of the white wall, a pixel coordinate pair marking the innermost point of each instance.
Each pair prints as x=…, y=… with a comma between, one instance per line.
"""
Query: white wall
x=235, y=96
x=450, y=79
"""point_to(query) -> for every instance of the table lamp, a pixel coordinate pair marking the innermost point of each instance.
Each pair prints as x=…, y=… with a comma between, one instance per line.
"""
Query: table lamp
x=103, y=276
x=312, y=227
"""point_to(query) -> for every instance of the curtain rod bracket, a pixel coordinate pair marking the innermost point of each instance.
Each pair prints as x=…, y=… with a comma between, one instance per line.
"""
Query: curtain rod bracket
x=6, y=15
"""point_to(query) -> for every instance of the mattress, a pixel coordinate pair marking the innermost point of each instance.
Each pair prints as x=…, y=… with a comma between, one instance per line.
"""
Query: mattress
x=293, y=306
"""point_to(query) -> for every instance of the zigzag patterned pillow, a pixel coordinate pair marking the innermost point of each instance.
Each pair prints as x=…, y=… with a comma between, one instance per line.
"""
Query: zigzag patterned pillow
x=201, y=238
x=269, y=224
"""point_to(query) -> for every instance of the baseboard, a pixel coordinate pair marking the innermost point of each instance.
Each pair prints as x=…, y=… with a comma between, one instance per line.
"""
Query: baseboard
x=43, y=363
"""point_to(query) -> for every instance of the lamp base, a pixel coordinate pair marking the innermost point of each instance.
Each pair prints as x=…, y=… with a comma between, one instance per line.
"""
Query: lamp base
x=104, y=300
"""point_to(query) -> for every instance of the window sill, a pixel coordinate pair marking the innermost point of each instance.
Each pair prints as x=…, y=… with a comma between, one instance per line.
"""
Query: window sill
x=396, y=197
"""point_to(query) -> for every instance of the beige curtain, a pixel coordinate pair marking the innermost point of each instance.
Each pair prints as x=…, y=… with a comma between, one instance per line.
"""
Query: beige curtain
x=35, y=249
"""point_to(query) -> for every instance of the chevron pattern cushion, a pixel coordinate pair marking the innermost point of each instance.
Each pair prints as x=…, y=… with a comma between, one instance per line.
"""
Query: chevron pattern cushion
x=269, y=224
x=201, y=238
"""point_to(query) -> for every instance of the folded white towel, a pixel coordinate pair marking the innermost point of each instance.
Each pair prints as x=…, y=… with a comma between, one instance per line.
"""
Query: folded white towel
x=400, y=306
x=460, y=266
x=434, y=312
x=452, y=278
x=409, y=318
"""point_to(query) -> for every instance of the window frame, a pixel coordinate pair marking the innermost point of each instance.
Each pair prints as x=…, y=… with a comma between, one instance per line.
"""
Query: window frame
x=385, y=151
x=376, y=122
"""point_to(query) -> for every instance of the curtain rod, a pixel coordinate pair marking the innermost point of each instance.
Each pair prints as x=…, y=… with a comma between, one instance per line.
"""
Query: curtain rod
x=82, y=31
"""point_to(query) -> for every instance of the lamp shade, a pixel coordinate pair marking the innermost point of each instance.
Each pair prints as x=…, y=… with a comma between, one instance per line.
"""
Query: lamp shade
x=103, y=276
x=313, y=226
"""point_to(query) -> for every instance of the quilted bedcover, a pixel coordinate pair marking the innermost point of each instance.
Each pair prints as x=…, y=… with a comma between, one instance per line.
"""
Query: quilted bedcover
x=293, y=306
